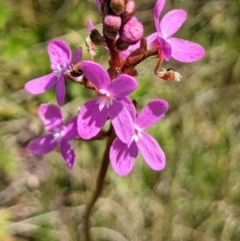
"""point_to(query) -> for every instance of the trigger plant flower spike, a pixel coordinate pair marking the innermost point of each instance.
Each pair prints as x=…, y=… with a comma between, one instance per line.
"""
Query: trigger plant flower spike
x=94, y=113
x=122, y=155
x=51, y=117
x=61, y=62
x=179, y=49
x=122, y=35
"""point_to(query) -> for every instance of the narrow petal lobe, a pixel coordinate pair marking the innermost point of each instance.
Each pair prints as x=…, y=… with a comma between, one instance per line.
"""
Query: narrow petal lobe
x=90, y=24
x=59, y=53
x=71, y=129
x=151, y=152
x=158, y=7
x=152, y=113
x=122, y=157
x=128, y=104
x=91, y=120
x=96, y=74
x=41, y=84
x=122, y=86
x=172, y=21
x=165, y=48
x=77, y=55
x=68, y=153
x=60, y=90
x=121, y=121
x=51, y=116
x=186, y=51
x=42, y=145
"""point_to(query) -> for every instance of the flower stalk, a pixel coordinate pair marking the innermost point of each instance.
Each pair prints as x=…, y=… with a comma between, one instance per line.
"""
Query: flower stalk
x=99, y=184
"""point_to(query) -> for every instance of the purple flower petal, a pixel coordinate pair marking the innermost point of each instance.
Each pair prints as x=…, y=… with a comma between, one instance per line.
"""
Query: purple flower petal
x=99, y=3
x=90, y=24
x=59, y=53
x=151, y=113
x=123, y=157
x=151, y=152
x=131, y=48
x=60, y=90
x=185, y=51
x=41, y=84
x=128, y=104
x=51, y=116
x=67, y=153
x=157, y=11
x=172, y=21
x=121, y=121
x=77, y=56
x=71, y=132
x=96, y=74
x=165, y=48
x=91, y=119
x=42, y=145
x=122, y=86
x=151, y=38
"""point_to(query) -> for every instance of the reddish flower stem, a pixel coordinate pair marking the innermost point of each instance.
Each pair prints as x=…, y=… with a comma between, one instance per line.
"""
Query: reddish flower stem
x=160, y=59
x=99, y=184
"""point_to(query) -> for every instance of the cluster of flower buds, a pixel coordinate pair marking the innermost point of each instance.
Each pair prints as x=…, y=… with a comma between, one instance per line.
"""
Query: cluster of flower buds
x=119, y=23
x=123, y=37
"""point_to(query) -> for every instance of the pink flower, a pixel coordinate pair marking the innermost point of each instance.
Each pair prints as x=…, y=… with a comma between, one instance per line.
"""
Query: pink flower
x=180, y=49
x=59, y=134
x=60, y=57
x=112, y=94
x=122, y=155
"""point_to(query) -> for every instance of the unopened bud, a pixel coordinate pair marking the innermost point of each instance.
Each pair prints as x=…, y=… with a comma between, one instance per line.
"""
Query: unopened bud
x=106, y=8
x=132, y=31
x=129, y=10
x=111, y=26
x=121, y=45
x=117, y=6
x=97, y=38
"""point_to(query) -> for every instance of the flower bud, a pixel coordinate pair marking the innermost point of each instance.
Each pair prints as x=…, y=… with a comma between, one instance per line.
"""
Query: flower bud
x=117, y=6
x=129, y=10
x=132, y=31
x=111, y=26
x=106, y=8
x=97, y=38
x=121, y=45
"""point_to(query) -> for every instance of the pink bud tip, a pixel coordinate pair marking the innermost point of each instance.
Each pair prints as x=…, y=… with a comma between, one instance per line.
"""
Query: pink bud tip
x=132, y=31
x=113, y=22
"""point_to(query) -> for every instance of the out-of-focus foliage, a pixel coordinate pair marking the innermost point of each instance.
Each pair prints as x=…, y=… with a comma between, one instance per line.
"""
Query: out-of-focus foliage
x=196, y=197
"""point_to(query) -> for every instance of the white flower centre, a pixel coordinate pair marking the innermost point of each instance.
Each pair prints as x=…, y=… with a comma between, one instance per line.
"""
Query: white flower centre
x=59, y=134
x=138, y=133
x=166, y=38
x=106, y=99
x=60, y=69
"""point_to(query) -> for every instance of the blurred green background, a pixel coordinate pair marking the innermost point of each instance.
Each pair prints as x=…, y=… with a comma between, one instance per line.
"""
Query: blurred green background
x=196, y=197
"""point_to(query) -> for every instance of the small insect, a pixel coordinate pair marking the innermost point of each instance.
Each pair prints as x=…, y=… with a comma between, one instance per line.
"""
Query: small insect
x=169, y=75
x=76, y=73
x=76, y=70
